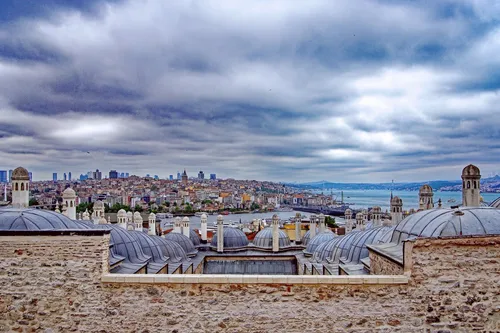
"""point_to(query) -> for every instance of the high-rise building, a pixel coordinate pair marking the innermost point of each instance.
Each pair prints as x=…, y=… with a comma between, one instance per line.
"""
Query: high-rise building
x=113, y=174
x=90, y=175
x=54, y=177
x=10, y=175
x=201, y=175
x=83, y=177
x=69, y=175
x=184, y=177
x=65, y=177
x=171, y=177
x=97, y=174
x=126, y=174
x=156, y=177
x=30, y=175
x=213, y=176
x=3, y=176
x=178, y=175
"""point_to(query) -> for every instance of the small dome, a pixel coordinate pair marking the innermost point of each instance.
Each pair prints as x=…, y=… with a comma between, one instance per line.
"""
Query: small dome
x=495, y=203
x=359, y=216
x=69, y=193
x=319, y=239
x=348, y=211
x=233, y=238
x=358, y=249
x=130, y=215
x=35, y=219
x=425, y=189
x=335, y=249
x=376, y=210
x=150, y=247
x=121, y=213
x=448, y=222
x=186, y=244
x=307, y=236
x=126, y=245
x=396, y=201
x=20, y=173
x=194, y=237
x=137, y=217
x=471, y=170
x=264, y=239
x=185, y=219
x=98, y=205
x=204, y=216
x=170, y=249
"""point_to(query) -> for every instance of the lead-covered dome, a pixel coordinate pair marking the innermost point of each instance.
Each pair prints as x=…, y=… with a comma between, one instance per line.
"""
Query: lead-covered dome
x=171, y=249
x=194, y=237
x=396, y=201
x=471, y=170
x=233, y=238
x=264, y=239
x=358, y=249
x=495, y=203
x=333, y=250
x=35, y=219
x=186, y=244
x=425, y=189
x=448, y=222
x=20, y=173
x=319, y=239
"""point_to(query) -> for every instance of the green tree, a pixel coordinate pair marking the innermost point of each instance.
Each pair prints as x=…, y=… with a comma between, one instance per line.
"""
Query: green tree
x=254, y=206
x=330, y=222
x=33, y=202
x=138, y=208
x=167, y=203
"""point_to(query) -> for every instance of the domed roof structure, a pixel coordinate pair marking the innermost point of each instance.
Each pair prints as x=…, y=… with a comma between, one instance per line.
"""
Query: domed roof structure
x=233, y=238
x=35, y=219
x=69, y=193
x=152, y=249
x=307, y=236
x=495, y=203
x=20, y=173
x=396, y=201
x=358, y=249
x=194, y=237
x=264, y=239
x=317, y=240
x=471, y=170
x=98, y=204
x=376, y=209
x=335, y=249
x=448, y=222
x=348, y=211
x=121, y=213
x=425, y=189
x=170, y=249
x=186, y=244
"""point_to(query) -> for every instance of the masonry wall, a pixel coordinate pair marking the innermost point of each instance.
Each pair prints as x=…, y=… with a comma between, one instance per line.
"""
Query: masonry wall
x=52, y=284
x=381, y=265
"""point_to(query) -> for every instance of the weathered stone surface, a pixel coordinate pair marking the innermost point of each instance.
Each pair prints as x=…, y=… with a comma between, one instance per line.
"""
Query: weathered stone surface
x=52, y=284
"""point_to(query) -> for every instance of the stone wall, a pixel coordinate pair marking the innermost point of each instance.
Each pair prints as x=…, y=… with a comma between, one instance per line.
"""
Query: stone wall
x=53, y=284
x=381, y=265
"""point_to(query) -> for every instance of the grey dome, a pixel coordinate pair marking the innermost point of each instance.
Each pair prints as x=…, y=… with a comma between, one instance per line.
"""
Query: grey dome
x=186, y=244
x=264, y=239
x=126, y=245
x=333, y=250
x=171, y=249
x=495, y=203
x=319, y=239
x=36, y=219
x=448, y=222
x=358, y=249
x=307, y=236
x=194, y=237
x=150, y=247
x=233, y=238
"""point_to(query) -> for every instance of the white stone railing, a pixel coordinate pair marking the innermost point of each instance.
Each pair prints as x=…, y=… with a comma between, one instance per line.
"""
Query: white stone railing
x=256, y=279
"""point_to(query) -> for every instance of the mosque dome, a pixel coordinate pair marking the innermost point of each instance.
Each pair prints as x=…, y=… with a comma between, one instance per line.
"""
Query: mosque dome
x=35, y=219
x=233, y=238
x=396, y=201
x=137, y=217
x=334, y=249
x=307, y=236
x=495, y=203
x=186, y=243
x=194, y=237
x=348, y=211
x=376, y=209
x=150, y=247
x=121, y=213
x=471, y=170
x=126, y=245
x=358, y=250
x=448, y=222
x=264, y=239
x=319, y=239
x=20, y=173
x=425, y=189
x=170, y=249
x=69, y=193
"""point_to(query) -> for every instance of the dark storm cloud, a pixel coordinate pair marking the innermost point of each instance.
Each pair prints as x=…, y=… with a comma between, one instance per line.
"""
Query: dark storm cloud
x=259, y=90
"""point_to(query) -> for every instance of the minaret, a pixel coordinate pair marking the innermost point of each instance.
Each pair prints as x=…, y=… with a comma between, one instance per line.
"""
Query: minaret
x=204, y=228
x=471, y=196
x=20, y=188
x=298, y=222
x=152, y=224
x=185, y=226
x=121, y=216
x=177, y=225
x=322, y=226
x=276, y=234
x=360, y=221
x=312, y=226
x=220, y=234
x=138, y=221
x=348, y=220
x=69, y=199
x=377, y=216
x=130, y=221
x=425, y=196
x=396, y=210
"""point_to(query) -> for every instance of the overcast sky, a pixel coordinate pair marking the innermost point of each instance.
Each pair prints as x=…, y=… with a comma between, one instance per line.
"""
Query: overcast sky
x=284, y=90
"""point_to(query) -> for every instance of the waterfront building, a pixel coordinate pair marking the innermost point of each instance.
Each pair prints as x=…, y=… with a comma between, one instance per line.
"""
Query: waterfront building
x=426, y=195
x=54, y=177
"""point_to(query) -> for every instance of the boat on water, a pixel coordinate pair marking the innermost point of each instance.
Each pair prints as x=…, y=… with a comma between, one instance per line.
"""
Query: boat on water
x=452, y=200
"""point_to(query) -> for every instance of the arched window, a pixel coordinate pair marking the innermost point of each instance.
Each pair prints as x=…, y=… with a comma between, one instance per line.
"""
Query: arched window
x=17, y=186
x=22, y=186
x=468, y=184
x=475, y=184
x=71, y=203
x=463, y=183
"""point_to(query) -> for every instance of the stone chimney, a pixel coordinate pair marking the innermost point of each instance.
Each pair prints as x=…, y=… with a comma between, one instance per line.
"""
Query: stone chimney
x=204, y=228
x=177, y=225
x=276, y=233
x=152, y=224
x=220, y=234
x=298, y=224
x=185, y=226
x=312, y=226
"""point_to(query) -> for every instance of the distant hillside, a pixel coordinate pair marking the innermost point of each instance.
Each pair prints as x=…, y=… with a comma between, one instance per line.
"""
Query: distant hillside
x=487, y=185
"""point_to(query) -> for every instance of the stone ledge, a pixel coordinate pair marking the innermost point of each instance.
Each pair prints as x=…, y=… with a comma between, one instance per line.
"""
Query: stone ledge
x=256, y=279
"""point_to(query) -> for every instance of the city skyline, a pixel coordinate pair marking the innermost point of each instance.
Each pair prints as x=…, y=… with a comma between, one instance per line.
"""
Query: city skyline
x=345, y=91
